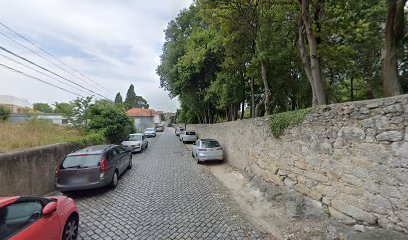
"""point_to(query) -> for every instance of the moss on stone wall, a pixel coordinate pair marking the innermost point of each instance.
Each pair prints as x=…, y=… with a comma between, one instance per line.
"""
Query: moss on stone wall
x=279, y=122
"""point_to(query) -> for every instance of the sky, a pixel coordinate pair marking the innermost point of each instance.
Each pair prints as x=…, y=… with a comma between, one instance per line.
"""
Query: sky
x=104, y=46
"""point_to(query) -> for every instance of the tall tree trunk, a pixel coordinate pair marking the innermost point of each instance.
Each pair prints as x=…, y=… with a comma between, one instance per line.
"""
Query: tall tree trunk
x=258, y=105
x=306, y=61
x=242, y=110
x=266, y=88
x=314, y=59
x=394, y=28
x=252, y=98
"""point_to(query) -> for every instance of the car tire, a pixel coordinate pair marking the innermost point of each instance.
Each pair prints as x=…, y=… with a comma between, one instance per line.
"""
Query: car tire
x=71, y=228
x=130, y=163
x=147, y=145
x=192, y=154
x=114, y=182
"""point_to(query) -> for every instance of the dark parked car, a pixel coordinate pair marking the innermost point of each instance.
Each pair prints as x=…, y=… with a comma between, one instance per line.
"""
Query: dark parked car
x=92, y=167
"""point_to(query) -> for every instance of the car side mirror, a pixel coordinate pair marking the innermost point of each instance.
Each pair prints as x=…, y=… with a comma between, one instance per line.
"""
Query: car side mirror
x=49, y=208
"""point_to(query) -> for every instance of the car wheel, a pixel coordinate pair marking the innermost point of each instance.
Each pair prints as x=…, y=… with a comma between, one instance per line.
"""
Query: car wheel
x=192, y=154
x=114, y=181
x=130, y=163
x=147, y=145
x=71, y=228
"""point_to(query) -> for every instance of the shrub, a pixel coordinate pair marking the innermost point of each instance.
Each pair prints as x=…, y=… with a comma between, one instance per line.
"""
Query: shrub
x=92, y=138
x=279, y=122
x=4, y=113
x=110, y=120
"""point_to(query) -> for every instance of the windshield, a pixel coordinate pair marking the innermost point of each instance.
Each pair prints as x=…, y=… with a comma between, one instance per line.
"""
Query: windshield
x=149, y=129
x=134, y=138
x=190, y=133
x=210, y=144
x=81, y=161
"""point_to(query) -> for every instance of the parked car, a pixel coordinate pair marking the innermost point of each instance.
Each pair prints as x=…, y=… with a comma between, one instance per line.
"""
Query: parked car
x=188, y=136
x=92, y=167
x=179, y=130
x=159, y=128
x=135, y=142
x=150, y=132
x=207, y=150
x=38, y=218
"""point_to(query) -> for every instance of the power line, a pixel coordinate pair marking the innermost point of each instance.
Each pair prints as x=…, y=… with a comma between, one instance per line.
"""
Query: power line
x=38, y=79
x=41, y=72
x=45, y=69
x=25, y=47
x=52, y=55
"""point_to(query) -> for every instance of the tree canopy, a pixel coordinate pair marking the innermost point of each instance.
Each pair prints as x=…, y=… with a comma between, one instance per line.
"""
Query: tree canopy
x=43, y=107
x=227, y=59
x=134, y=101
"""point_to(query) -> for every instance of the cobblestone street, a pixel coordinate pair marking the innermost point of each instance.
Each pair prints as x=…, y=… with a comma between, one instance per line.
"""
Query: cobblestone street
x=166, y=195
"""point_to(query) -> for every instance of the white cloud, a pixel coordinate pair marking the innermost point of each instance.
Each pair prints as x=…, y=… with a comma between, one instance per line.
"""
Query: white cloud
x=116, y=43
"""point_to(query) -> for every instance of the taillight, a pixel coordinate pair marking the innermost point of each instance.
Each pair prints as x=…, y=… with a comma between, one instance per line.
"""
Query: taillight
x=220, y=148
x=202, y=149
x=104, y=166
x=57, y=171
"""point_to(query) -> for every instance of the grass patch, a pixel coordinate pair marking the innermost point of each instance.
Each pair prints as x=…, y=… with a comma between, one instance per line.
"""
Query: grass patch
x=279, y=122
x=39, y=133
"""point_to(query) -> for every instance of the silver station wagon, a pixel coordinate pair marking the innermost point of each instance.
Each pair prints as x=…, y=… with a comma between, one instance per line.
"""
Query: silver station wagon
x=92, y=167
x=207, y=150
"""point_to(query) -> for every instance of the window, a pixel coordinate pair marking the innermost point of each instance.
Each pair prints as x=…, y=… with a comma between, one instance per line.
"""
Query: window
x=190, y=133
x=134, y=138
x=81, y=161
x=210, y=144
x=17, y=216
x=120, y=150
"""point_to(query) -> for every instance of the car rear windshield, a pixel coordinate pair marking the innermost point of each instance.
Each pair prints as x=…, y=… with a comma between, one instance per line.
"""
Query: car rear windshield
x=134, y=138
x=190, y=133
x=210, y=144
x=81, y=161
x=149, y=129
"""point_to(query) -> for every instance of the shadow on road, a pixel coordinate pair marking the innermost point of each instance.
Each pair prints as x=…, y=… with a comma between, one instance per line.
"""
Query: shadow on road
x=87, y=193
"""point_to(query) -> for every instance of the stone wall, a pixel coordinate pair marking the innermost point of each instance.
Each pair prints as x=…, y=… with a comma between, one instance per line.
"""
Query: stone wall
x=351, y=157
x=31, y=172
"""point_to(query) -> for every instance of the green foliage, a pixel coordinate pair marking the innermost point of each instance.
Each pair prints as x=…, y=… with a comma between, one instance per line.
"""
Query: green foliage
x=43, y=107
x=118, y=99
x=162, y=117
x=279, y=122
x=134, y=101
x=110, y=120
x=91, y=138
x=66, y=109
x=213, y=52
x=4, y=113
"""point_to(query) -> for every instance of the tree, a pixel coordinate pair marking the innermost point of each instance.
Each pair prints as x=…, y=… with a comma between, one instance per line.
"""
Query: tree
x=81, y=113
x=118, y=99
x=111, y=120
x=66, y=109
x=4, y=113
x=394, y=30
x=162, y=117
x=43, y=107
x=134, y=101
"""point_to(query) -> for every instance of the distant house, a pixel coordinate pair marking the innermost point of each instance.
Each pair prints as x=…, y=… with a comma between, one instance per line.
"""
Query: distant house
x=14, y=104
x=144, y=118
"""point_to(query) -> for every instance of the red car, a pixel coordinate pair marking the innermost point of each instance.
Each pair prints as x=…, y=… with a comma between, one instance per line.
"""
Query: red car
x=38, y=218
